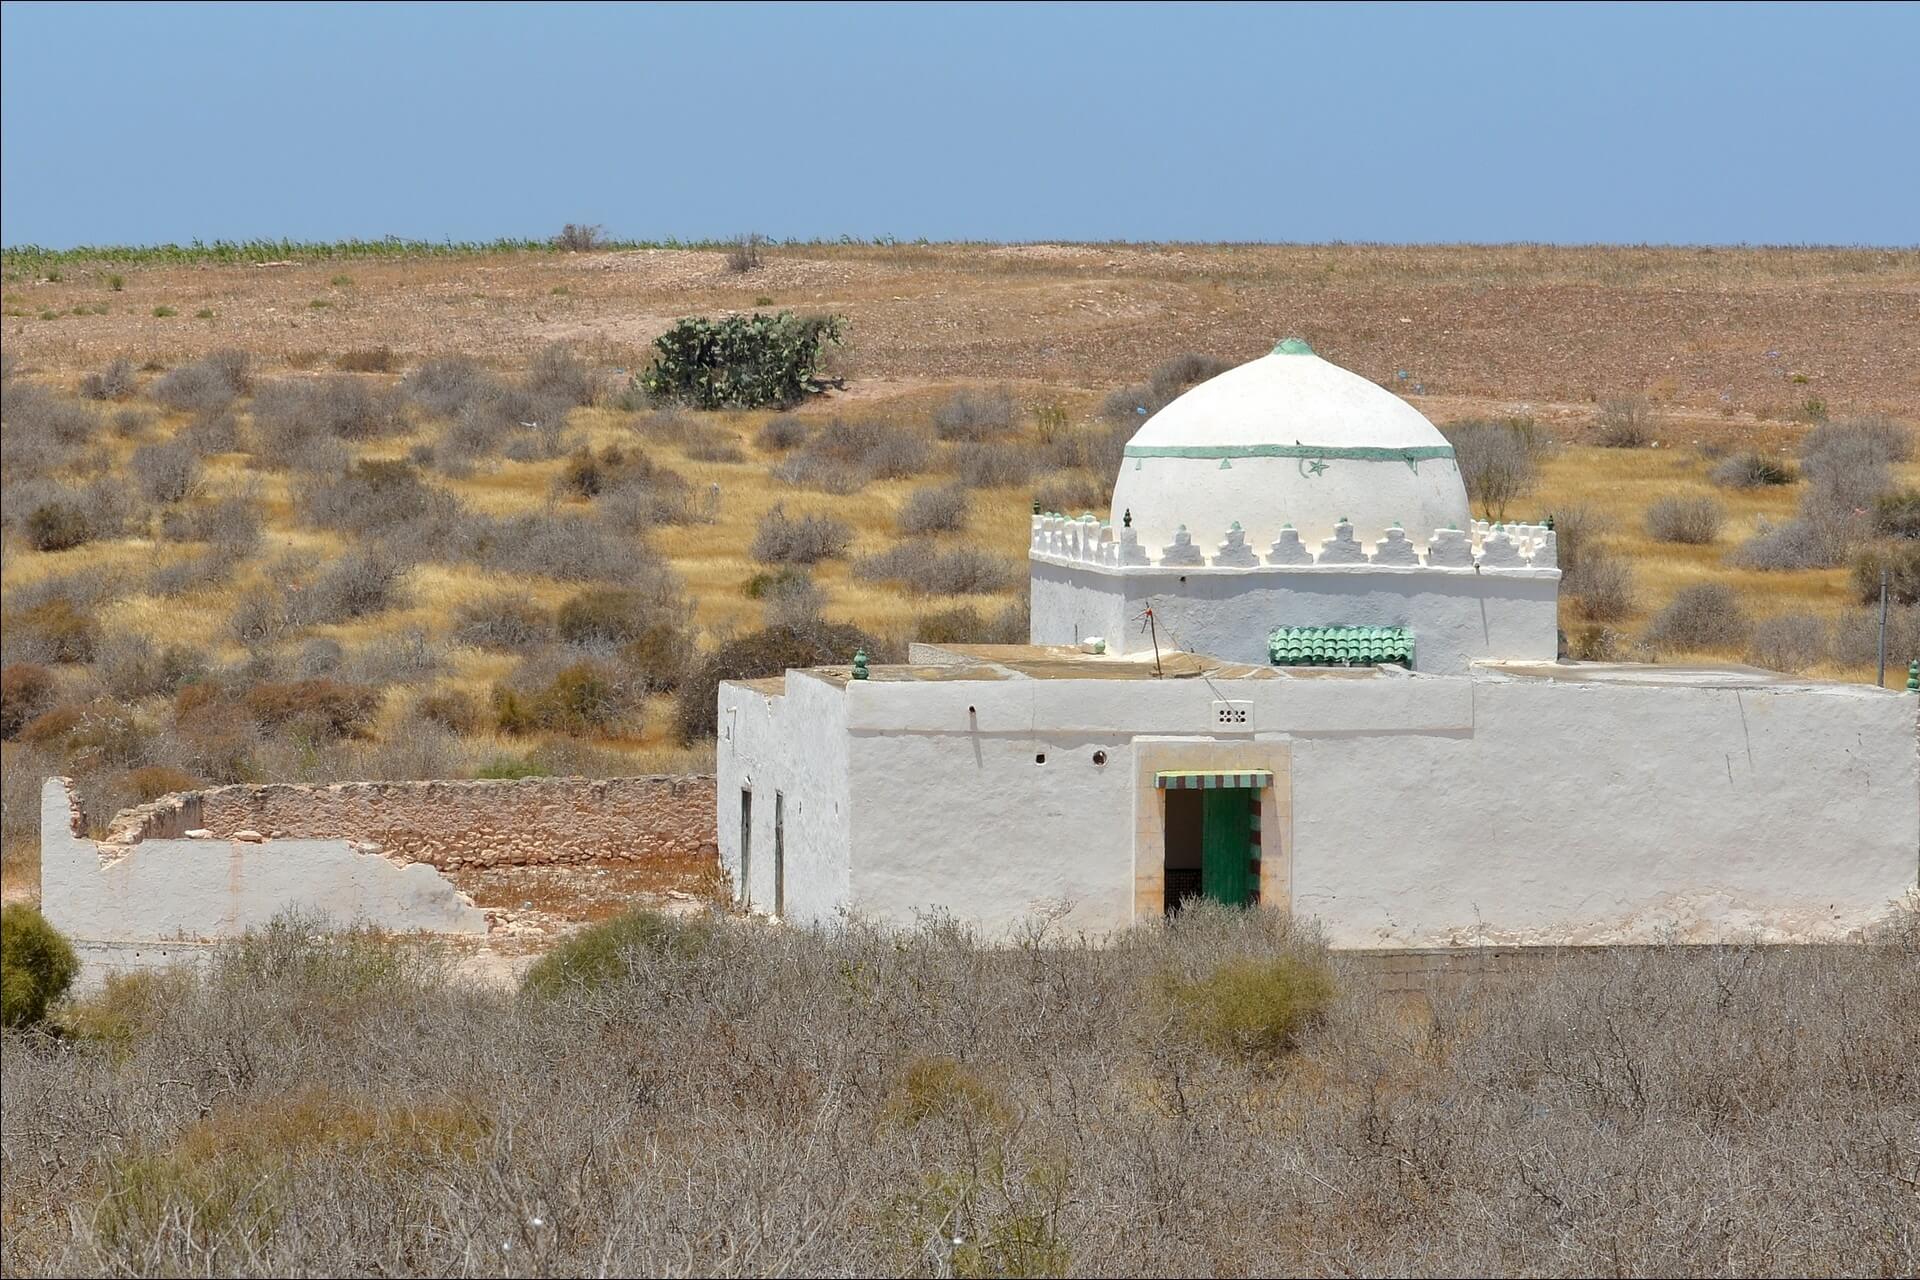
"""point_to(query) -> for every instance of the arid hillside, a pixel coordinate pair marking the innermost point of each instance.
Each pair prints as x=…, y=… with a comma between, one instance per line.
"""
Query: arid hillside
x=333, y=514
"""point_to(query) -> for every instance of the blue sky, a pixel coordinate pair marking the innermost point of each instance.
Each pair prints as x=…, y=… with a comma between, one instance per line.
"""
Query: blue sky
x=1670, y=124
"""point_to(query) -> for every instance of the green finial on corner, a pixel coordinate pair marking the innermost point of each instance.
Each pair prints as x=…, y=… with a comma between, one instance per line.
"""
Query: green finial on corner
x=1913, y=676
x=859, y=664
x=1292, y=347
x=1126, y=520
x=1036, y=506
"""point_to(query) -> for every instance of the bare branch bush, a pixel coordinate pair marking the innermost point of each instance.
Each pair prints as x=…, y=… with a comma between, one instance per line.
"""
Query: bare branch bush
x=711, y=1096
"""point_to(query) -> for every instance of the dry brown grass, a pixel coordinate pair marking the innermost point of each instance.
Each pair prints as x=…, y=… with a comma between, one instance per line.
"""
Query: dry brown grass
x=1057, y=326
x=730, y=1099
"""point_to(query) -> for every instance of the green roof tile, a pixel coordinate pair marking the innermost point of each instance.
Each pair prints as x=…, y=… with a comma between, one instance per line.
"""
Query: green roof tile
x=1339, y=646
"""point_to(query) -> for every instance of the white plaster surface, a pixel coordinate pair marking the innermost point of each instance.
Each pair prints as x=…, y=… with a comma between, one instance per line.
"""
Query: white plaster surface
x=794, y=744
x=1458, y=616
x=192, y=889
x=1286, y=400
x=1597, y=804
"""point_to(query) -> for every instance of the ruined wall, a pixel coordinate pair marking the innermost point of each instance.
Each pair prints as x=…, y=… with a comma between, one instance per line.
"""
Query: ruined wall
x=519, y=822
x=198, y=888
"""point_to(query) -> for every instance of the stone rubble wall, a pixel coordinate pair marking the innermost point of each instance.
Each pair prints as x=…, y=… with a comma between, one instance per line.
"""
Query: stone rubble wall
x=450, y=825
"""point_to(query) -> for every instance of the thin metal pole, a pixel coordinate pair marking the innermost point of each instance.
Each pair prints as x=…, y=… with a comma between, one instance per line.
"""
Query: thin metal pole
x=1881, y=679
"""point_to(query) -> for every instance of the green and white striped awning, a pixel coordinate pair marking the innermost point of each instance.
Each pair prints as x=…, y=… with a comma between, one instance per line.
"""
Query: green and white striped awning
x=1204, y=780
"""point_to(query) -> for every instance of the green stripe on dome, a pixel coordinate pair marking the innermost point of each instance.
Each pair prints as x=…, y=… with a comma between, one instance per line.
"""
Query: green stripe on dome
x=1291, y=347
x=1369, y=453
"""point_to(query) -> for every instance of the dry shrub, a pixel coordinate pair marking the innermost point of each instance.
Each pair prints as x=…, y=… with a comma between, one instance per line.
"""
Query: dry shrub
x=1691, y=521
x=743, y=253
x=716, y=446
x=58, y=526
x=400, y=656
x=1705, y=615
x=165, y=473
x=314, y=708
x=366, y=360
x=26, y=690
x=1789, y=642
x=965, y=625
x=452, y=709
x=1625, y=422
x=130, y=666
x=1253, y=1009
x=150, y=782
x=372, y=495
x=788, y=599
x=115, y=382
x=1751, y=470
x=581, y=237
x=1898, y=563
x=1131, y=406
x=1897, y=514
x=769, y=652
x=230, y=523
x=1856, y=636
x=207, y=385
x=1499, y=461
x=924, y=569
x=780, y=433
x=445, y=385
x=54, y=630
x=657, y=656
x=1075, y=491
x=556, y=373
x=942, y=510
x=867, y=1097
x=570, y=549
x=508, y=621
x=359, y=584
x=993, y=466
x=604, y=955
x=601, y=616
x=582, y=697
x=1805, y=542
x=781, y=539
x=291, y=411
x=1871, y=439
x=975, y=415
x=806, y=470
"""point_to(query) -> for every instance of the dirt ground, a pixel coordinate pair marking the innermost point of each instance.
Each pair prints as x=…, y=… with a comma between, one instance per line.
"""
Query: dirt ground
x=1735, y=334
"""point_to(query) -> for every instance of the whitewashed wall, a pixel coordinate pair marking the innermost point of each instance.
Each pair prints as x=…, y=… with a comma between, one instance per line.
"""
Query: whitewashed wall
x=197, y=889
x=1458, y=616
x=1427, y=811
x=794, y=744
x=1580, y=813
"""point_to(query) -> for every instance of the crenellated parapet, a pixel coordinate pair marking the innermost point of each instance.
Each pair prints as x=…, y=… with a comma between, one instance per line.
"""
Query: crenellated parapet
x=1482, y=547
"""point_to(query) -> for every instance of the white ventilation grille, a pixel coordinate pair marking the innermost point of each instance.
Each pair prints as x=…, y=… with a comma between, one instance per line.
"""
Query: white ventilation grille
x=1233, y=717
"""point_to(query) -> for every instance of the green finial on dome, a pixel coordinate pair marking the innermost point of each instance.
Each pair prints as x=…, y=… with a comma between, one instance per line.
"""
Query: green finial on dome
x=1292, y=347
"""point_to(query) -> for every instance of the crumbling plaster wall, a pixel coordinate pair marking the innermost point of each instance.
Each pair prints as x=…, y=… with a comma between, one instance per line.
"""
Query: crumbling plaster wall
x=202, y=887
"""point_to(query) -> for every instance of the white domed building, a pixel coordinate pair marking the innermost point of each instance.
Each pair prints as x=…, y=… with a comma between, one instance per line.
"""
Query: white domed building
x=1285, y=497
x=1288, y=669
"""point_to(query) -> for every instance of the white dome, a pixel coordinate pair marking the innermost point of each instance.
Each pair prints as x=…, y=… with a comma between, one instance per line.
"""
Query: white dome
x=1288, y=439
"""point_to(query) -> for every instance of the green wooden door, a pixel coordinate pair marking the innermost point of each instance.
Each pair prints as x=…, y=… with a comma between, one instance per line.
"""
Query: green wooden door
x=1226, y=846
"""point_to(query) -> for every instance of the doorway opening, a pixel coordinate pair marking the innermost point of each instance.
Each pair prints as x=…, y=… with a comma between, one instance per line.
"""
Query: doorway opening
x=746, y=847
x=1212, y=845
